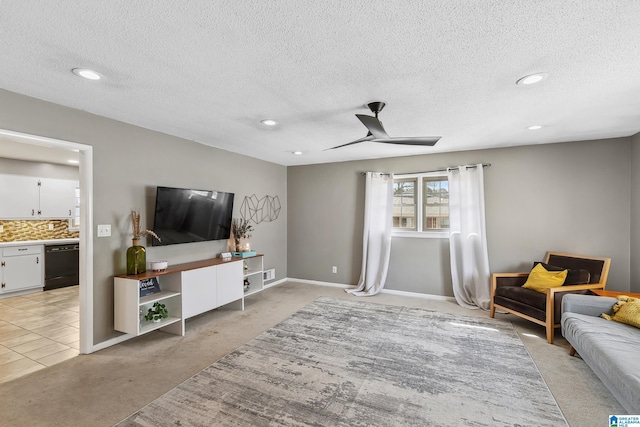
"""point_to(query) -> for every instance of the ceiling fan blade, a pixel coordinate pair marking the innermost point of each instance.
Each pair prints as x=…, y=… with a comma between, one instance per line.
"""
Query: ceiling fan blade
x=428, y=141
x=374, y=126
x=369, y=137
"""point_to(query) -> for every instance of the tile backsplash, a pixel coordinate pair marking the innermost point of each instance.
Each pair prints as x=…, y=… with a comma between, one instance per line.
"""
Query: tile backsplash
x=23, y=230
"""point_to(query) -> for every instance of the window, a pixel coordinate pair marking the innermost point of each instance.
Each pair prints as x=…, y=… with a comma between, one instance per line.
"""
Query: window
x=404, y=204
x=421, y=205
x=74, y=223
x=436, y=203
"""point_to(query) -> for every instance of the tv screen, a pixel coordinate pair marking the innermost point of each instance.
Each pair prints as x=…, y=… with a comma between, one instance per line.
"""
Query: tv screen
x=185, y=216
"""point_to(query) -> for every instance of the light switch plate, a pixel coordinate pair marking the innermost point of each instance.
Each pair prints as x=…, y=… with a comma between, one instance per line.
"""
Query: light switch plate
x=104, y=230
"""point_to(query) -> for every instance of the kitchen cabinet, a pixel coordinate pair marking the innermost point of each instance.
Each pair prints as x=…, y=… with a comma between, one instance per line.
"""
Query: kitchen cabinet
x=19, y=197
x=21, y=268
x=57, y=198
x=27, y=197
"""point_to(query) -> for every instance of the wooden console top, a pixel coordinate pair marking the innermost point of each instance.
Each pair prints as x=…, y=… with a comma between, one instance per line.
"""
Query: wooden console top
x=614, y=294
x=177, y=268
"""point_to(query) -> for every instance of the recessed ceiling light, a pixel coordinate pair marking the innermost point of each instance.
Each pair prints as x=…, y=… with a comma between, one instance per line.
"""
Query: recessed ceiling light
x=86, y=73
x=534, y=127
x=75, y=162
x=532, y=78
x=297, y=153
x=268, y=122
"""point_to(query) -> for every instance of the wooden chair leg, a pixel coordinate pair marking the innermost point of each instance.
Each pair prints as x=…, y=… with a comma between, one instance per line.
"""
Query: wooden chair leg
x=572, y=351
x=550, y=333
x=492, y=310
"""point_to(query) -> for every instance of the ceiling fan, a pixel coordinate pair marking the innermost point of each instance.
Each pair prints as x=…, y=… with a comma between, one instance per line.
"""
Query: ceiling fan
x=378, y=134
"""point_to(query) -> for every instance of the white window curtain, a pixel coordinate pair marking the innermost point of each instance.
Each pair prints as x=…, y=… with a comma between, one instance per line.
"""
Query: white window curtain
x=468, y=238
x=376, y=239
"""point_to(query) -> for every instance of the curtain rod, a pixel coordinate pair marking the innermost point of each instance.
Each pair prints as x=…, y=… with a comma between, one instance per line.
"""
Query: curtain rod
x=484, y=165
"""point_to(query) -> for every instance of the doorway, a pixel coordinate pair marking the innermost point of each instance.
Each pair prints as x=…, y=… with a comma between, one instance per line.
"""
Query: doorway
x=85, y=289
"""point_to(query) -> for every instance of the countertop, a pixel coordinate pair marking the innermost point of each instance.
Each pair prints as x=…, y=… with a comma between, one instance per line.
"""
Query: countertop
x=39, y=242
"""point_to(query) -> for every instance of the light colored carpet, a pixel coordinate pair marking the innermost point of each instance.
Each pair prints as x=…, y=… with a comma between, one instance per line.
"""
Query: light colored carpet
x=343, y=362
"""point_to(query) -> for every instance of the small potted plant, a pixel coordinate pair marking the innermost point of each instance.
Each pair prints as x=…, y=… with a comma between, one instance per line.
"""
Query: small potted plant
x=157, y=312
x=241, y=230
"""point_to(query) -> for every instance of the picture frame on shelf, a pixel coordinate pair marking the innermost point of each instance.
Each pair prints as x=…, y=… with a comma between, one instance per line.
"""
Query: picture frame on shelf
x=149, y=286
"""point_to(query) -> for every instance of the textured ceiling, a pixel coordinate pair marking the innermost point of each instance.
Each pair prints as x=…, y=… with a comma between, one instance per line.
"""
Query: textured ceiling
x=209, y=71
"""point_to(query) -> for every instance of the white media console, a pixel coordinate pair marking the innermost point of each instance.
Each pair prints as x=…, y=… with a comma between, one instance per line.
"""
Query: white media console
x=186, y=290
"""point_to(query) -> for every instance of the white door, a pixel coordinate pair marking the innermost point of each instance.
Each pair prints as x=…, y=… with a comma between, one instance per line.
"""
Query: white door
x=57, y=198
x=18, y=197
x=198, y=291
x=229, y=282
x=22, y=272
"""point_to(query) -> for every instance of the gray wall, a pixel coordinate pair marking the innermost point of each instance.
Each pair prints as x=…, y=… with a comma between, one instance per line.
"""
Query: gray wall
x=571, y=197
x=129, y=162
x=635, y=213
x=38, y=169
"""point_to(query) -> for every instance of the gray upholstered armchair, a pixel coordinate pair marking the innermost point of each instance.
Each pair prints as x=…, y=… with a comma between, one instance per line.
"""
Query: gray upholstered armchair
x=507, y=293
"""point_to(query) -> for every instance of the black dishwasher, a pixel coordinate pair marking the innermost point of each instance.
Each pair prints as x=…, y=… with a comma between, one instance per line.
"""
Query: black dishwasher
x=61, y=266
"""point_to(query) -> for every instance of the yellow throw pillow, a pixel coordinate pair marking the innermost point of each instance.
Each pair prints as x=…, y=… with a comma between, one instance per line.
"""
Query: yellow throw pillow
x=540, y=279
x=626, y=310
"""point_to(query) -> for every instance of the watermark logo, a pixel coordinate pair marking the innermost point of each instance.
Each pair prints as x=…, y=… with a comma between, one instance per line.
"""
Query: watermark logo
x=624, y=420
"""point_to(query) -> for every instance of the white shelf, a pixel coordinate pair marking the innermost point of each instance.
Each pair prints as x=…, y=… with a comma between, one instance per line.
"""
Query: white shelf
x=130, y=307
x=148, y=326
x=252, y=272
x=150, y=299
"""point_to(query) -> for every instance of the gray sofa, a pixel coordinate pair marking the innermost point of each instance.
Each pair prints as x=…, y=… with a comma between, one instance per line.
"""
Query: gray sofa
x=611, y=349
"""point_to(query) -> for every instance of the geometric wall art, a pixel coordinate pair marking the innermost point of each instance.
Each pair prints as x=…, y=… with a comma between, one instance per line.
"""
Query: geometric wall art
x=257, y=210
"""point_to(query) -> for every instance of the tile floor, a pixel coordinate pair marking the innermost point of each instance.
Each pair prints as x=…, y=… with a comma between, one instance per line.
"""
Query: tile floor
x=38, y=330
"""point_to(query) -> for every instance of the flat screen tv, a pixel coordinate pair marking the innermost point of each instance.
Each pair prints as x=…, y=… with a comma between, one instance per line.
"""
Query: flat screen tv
x=186, y=215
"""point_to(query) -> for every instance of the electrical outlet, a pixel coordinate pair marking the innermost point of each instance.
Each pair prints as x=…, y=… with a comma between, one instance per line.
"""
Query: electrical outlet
x=50, y=227
x=334, y=269
x=104, y=230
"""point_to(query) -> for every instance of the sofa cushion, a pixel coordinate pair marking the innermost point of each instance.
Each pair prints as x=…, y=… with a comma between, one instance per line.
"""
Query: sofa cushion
x=577, y=276
x=523, y=295
x=593, y=266
x=530, y=302
x=610, y=349
x=522, y=300
x=541, y=279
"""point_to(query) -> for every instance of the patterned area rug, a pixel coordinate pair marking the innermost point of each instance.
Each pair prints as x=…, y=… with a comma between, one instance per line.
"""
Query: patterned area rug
x=350, y=363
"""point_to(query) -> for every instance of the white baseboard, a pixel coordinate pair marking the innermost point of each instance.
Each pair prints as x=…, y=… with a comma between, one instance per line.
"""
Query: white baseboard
x=418, y=295
x=384, y=291
x=109, y=343
x=319, y=283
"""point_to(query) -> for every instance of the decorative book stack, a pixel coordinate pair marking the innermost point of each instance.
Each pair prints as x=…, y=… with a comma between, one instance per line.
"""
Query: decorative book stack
x=244, y=254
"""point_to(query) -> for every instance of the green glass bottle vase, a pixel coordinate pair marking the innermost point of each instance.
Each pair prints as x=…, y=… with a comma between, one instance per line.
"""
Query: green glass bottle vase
x=136, y=258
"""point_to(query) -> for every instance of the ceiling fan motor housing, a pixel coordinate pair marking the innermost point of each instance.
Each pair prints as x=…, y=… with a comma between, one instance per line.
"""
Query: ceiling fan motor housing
x=376, y=107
